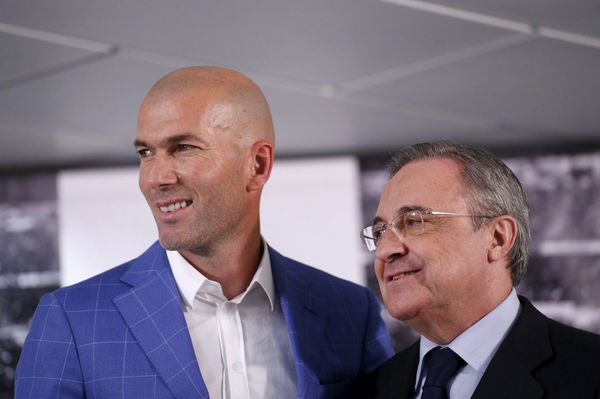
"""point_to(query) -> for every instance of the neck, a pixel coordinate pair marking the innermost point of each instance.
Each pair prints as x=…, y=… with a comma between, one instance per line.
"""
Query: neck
x=443, y=326
x=233, y=265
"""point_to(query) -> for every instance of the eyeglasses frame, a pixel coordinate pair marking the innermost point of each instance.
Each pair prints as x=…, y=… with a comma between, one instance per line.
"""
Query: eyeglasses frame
x=367, y=239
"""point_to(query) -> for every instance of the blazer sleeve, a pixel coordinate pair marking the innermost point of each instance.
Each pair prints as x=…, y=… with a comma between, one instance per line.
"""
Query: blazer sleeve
x=49, y=364
x=377, y=346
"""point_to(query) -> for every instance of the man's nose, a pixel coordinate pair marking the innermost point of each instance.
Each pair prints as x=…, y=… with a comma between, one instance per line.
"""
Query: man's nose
x=390, y=246
x=161, y=172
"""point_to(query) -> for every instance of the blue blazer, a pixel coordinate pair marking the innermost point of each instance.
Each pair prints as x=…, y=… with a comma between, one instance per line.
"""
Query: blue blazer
x=122, y=334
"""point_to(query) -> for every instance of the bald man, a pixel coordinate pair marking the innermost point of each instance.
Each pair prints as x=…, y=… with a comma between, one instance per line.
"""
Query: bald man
x=210, y=310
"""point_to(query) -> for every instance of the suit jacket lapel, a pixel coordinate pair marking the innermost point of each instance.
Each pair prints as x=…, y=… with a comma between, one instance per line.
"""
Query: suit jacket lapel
x=152, y=310
x=527, y=345
x=398, y=375
x=406, y=380
x=305, y=317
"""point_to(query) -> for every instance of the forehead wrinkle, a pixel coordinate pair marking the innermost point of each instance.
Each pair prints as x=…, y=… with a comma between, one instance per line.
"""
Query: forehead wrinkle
x=169, y=140
x=240, y=105
x=217, y=114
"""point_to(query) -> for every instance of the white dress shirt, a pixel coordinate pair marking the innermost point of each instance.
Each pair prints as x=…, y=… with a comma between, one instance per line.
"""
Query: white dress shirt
x=476, y=346
x=242, y=345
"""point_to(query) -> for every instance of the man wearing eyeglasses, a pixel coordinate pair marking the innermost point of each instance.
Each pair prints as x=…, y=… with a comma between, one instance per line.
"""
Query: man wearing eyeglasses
x=211, y=310
x=450, y=241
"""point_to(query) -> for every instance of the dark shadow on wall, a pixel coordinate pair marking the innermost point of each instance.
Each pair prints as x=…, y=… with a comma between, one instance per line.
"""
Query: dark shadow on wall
x=29, y=263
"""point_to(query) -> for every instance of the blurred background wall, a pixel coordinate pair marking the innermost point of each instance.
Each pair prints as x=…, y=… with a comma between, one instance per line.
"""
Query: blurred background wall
x=58, y=229
x=349, y=82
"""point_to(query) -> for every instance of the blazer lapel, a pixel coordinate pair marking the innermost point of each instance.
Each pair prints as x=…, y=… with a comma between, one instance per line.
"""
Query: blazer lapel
x=152, y=310
x=398, y=375
x=306, y=319
x=405, y=378
x=527, y=345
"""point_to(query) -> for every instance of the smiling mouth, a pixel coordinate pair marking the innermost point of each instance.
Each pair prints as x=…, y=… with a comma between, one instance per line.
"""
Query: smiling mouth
x=174, y=206
x=398, y=276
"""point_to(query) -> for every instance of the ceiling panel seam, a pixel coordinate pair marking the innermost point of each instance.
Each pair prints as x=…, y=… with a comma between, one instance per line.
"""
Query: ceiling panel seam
x=296, y=86
x=54, y=70
x=503, y=23
x=56, y=38
x=324, y=91
x=394, y=74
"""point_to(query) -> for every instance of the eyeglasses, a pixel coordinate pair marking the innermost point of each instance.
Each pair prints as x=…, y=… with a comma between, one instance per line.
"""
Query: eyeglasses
x=411, y=223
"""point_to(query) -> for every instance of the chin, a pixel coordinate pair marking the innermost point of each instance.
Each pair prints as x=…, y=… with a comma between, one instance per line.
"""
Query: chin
x=178, y=243
x=403, y=315
x=404, y=311
x=171, y=243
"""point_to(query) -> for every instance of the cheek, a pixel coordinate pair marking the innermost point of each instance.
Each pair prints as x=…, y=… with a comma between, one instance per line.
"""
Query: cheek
x=454, y=268
x=199, y=174
x=142, y=180
x=207, y=170
x=379, y=269
x=147, y=169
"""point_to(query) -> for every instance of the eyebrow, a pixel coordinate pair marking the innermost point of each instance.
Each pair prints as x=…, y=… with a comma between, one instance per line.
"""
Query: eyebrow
x=169, y=140
x=139, y=143
x=400, y=211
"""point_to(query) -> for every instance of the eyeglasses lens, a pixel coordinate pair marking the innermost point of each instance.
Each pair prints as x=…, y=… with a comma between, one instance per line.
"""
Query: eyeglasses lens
x=407, y=224
x=410, y=224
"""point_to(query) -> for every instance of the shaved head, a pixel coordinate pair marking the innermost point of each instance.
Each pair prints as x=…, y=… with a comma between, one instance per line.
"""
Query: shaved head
x=237, y=104
x=205, y=143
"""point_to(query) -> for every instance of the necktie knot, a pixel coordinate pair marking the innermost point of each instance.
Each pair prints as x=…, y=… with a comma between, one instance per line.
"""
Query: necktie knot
x=442, y=364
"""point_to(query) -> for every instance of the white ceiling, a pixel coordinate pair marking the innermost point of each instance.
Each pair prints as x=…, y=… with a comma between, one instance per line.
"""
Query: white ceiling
x=342, y=76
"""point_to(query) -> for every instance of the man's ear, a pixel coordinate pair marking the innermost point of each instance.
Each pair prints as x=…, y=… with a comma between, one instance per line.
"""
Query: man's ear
x=261, y=164
x=504, y=233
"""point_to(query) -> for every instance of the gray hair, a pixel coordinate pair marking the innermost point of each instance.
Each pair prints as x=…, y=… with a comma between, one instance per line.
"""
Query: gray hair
x=492, y=189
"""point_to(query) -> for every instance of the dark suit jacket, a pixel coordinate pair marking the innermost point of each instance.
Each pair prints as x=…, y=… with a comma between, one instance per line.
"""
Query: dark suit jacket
x=122, y=334
x=539, y=358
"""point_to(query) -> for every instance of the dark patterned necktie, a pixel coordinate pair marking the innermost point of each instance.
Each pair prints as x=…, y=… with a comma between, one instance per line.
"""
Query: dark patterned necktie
x=442, y=365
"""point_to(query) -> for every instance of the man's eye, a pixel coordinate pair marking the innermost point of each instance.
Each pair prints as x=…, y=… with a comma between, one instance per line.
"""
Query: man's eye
x=377, y=231
x=143, y=153
x=412, y=221
x=184, y=147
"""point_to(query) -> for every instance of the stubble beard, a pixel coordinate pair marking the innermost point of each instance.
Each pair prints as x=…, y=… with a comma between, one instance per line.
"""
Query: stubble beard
x=202, y=236
x=194, y=241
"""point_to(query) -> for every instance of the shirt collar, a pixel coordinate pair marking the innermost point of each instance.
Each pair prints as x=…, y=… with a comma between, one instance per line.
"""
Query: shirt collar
x=478, y=344
x=189, y=280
